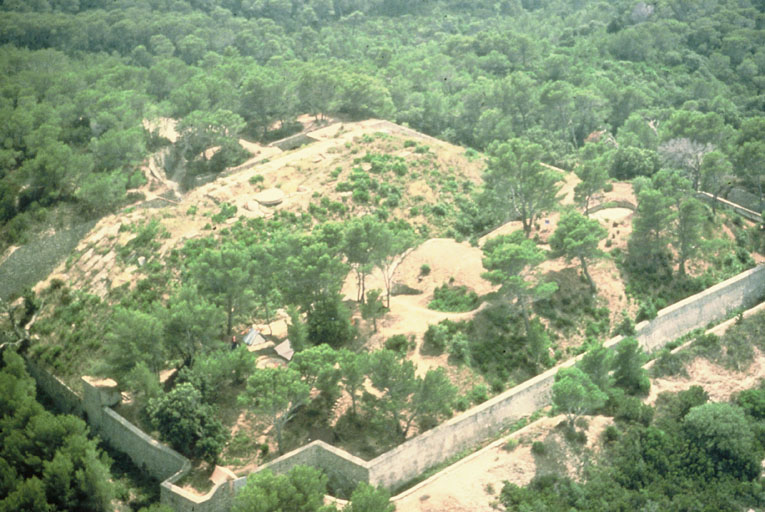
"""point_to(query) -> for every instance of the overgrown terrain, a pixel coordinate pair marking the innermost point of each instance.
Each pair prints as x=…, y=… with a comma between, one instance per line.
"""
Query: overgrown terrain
x=416, y=268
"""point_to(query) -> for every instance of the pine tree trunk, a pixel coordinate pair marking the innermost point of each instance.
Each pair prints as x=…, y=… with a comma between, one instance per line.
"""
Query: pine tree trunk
x=587, y=275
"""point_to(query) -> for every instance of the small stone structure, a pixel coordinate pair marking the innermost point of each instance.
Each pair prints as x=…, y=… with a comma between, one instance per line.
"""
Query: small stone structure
x=293, y=142
x=416, y=455
x=270, y=197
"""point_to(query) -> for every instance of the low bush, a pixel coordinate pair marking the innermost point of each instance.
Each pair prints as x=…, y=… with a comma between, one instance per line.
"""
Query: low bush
x=455, y=299
x=397, y=343
x=479, y=394
x=669, y=365
x=538, y=448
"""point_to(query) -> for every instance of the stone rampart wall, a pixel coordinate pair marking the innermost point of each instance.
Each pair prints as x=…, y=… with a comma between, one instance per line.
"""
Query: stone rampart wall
x=699, y=310
x=147, y=453
x=410, y=459
x=744, y=212
x=65, y=398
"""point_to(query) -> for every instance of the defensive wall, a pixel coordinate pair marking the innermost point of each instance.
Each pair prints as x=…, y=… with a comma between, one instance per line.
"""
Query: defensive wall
x=744, y=212
x=410, y=459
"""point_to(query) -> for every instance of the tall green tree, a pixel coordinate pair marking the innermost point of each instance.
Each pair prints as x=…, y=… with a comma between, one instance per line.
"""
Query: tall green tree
x=302, y=488
x=47, y=461
x=366, y=498
x=593, y=173
x=405, y=398
x=393, y=242
x=188, y=423
x=723, y=433
x=688, y=231
x=431, y=401
x=135, y=337
x=629, y=373
x=353, y=372
x=201, y=130
x=650, y=228
x=373, y=308
x=751, y=154
x=224, y=275
x=317, y=366
x=715, y=170
x=506, y=259
x=317, y=89
x=192, y=325
x=577, y=237
x=276, y=393
x=575, y=394
x=365, y=241
x=516, y=179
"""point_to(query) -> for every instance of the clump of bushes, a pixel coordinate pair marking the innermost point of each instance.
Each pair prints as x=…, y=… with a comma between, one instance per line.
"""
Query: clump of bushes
x=454, y=299
x=399, y=343
x=438, y=336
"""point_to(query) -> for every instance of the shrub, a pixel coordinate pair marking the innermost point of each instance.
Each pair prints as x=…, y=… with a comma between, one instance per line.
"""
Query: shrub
x=461, y=403
x=436, y=338
x=360, y=196
x=404, y=289
x=479, y=394
x=632, y=409
x=330, y=322
x=628, y=368
x=611, y=434
x=538, y=448
x=424, y=269
x=439, y=210
x=397, y=343
x=454, y=299
x=187, y=423
x=626, y=327
x=226, y=212
x=510, y=445
x=752, y=401
x=459, y=347
x=669, y=364
x=647, y=311
x=258, y=178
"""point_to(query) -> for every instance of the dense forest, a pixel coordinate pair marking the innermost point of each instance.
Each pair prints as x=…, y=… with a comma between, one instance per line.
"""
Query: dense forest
x=668, y=80
x=666, y=95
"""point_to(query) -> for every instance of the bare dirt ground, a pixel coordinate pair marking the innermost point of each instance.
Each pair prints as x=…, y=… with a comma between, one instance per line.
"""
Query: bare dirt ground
x=719, y=382
x=473, y=483
x=618, y=223
x=302, y=174
x=449, y=261
x=463, y=486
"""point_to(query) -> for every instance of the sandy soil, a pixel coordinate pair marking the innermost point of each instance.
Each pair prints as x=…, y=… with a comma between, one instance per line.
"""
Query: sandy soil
x=299, y=173
x=473, y=483
x=409, y=314
x=463, y=486
x=618, y=223
x=716, y=380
